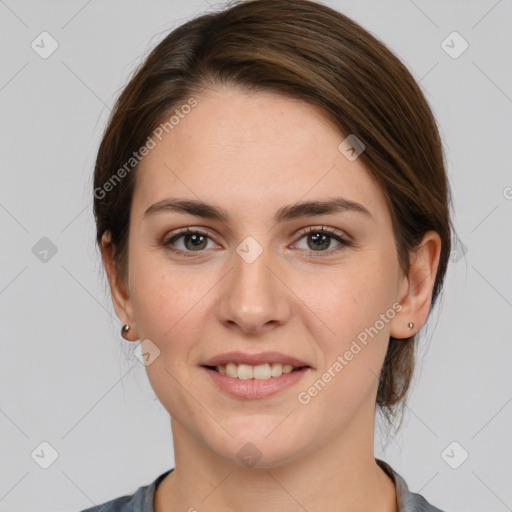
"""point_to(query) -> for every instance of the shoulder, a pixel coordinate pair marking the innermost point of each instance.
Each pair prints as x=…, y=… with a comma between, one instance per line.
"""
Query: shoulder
x=140, y=501
x=407, y=501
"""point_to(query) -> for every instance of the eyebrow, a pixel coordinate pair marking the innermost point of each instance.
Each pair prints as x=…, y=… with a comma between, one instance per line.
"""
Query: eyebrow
x=293, y=211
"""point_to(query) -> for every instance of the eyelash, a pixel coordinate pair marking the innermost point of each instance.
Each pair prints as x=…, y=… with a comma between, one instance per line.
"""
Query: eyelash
x=332, y=233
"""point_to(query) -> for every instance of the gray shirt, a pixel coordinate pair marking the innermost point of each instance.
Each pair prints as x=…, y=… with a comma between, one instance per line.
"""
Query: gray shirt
x=142, y=499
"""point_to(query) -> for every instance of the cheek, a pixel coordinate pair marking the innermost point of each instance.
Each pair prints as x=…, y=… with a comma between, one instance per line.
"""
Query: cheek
x=173, y=308
x=350, y=297
x=169, y=311
x=161, y=294
x=165, y=305
x=350, y=320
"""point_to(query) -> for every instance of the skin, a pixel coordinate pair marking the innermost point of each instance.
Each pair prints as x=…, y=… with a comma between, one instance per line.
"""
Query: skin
x=252, y=154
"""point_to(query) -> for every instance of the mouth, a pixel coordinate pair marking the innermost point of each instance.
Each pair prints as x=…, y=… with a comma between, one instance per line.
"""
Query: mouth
x=265, y=371
x=248, y=375
x=254, y=382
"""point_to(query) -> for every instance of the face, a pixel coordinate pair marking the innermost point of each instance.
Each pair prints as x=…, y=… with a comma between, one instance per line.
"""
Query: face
x=317, y=285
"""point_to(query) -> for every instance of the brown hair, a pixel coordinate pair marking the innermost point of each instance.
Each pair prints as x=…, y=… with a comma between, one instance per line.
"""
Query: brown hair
x=305, y=50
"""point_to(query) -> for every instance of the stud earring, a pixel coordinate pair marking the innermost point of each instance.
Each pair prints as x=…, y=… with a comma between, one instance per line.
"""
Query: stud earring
x=411, y=325
x=125, y=329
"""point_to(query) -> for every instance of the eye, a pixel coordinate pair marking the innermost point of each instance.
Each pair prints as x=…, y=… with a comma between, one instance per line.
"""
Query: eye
x=191, y=241
x=320, y=239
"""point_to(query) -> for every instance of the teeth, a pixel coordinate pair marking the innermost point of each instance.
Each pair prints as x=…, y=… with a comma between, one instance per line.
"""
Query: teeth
x=245, y=372
x=231, y=370
x=260, y=371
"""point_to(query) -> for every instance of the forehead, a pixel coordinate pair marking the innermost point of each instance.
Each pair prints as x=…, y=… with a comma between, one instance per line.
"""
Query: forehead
x=248, y=150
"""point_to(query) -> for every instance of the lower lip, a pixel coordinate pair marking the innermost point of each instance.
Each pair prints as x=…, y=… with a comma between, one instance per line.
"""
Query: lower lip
x=253, y=389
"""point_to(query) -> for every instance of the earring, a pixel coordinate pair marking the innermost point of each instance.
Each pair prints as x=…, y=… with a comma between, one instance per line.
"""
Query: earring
x=411, y=325
x=125, y=329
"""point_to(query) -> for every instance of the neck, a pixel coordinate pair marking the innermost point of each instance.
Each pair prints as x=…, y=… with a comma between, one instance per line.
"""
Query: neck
x=341, y=475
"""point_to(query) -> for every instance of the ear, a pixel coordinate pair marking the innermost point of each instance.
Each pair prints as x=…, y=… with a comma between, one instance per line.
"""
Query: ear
x=416, y=288
x=118, y=288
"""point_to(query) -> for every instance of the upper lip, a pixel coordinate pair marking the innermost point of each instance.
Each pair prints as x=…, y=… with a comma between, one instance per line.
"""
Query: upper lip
x=253, y=359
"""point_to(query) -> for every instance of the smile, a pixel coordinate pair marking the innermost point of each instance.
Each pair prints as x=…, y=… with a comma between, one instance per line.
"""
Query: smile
x=255, y=382
x=263, y=371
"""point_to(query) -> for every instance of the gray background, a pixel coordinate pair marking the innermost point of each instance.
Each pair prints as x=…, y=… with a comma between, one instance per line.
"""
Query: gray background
x=69, y=379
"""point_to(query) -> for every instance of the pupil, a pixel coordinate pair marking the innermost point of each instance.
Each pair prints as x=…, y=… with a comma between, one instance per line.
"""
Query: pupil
x=196, y=240
x=321, y=238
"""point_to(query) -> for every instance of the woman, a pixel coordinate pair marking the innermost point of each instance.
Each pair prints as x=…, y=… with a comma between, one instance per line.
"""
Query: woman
x=272, y=212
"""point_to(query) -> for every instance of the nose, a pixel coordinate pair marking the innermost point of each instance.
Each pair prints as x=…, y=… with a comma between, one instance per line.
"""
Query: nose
x=254, y=297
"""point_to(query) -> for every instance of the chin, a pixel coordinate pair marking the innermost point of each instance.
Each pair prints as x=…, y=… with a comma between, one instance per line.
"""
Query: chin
x=252, y=450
